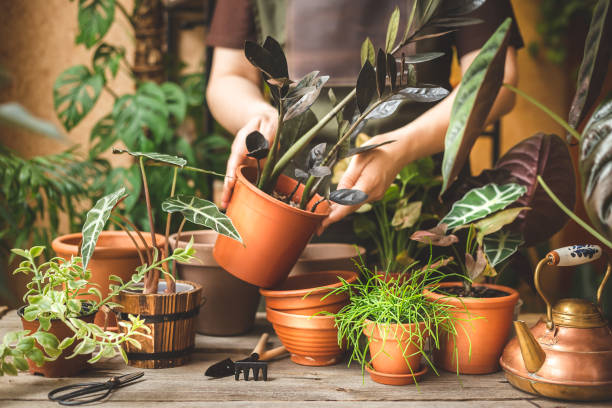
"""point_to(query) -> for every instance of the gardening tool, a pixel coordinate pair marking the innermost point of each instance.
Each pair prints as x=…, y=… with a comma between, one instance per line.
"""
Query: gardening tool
x=71, y=394
x=567, y=355
x=227, y=367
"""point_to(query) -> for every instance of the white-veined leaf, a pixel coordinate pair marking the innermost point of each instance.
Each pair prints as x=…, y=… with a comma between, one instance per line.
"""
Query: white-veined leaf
x=158, y=157
x=500, y=245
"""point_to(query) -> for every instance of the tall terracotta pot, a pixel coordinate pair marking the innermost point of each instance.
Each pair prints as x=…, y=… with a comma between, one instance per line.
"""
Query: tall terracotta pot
x=221, y=291
x=62, y=366
x=115, y=254
x=482, y=330
x=274, y=234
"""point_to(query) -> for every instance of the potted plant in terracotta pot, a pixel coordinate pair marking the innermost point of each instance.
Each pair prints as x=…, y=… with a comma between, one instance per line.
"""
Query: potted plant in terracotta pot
x=169, y=306
x=265, y=202
x=397, y=321
x=59, y=335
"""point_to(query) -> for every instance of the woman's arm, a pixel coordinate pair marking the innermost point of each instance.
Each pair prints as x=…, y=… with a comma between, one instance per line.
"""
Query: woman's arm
x=374, y=171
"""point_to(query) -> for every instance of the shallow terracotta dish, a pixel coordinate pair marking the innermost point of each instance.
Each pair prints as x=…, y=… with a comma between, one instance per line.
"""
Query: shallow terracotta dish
x=312, y=341
x=396, y=379
x=307, y=294
x=325, y=256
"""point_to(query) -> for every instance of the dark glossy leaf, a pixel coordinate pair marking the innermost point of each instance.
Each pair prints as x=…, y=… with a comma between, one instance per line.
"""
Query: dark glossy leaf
x=320, y=171
x=546, y=156
x=301, y=175
x=597, y=52
x=279, y=61
x=301, y=98
x=479, y=88
x=424, y=57
x=420, y=94
x=95, y=18
x=75, y=92
x=316, y=155
x=381, y=72
x=426, y=9
x=383, y=110
x=347, y=196
x=257, y=145
x=435, y=236
x=15, y=114
x=367, y=52
x=460, y=7
x=349, y=109
x=452, y=22
x=596, y=167
x=392, y=28
x=362, y=149
x=392, y=71
x=460, y=188
x=260, y=58
x=108, y=57
x=366, y=87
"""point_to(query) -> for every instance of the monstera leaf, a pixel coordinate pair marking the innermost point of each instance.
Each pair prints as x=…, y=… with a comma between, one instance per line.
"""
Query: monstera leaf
x=477, y=92
x=202, y=212
x=108, y=57
x=596, y=167
x=500, y=245
x=158, y=157
x=75, y=93
x=95, y=18
x=547, y=156
x=95, y=222
x=480, y=202
x=17, y=115
x=597, y=51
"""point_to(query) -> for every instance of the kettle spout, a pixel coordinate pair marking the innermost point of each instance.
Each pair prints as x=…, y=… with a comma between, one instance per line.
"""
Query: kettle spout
x=532, y=352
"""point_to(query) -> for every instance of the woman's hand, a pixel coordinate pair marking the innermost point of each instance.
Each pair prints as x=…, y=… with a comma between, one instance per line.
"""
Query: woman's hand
x=266, y=123
x=371, y=172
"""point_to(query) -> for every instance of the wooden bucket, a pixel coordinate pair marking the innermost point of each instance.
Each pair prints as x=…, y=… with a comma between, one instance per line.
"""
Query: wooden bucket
x=171, y=318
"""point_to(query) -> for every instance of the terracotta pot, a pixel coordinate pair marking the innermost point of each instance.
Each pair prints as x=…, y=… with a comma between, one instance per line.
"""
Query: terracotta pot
x=62, y=366
x=171, y=318
x=394, y=348
x=327, y=257
x=229, y=303
x=115, y=254
x=274, y=233
x=311, y=340
x=481, y=334
x=303, y=294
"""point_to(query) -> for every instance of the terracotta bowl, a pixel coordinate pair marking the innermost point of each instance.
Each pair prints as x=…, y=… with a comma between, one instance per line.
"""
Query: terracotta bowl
x=312, y=341
x=303, y=294
x=327, y=257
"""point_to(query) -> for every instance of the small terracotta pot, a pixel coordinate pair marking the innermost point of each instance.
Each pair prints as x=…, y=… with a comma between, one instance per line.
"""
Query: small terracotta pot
x=394, y=348
x=274, y=233
x=115, y=254
x=311, y=340
x=303, y=294
x=171, y=318
x=482, y=331
x=327, y=257
x=230, y=304
x=62, y=366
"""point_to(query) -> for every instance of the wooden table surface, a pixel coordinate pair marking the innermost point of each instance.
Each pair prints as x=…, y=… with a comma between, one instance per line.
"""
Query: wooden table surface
x=288, y=385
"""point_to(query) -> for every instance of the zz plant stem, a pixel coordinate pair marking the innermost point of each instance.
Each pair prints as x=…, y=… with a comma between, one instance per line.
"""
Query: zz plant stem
x=266, y=180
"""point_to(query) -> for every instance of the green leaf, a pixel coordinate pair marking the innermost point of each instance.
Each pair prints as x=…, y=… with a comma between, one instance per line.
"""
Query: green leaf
x=47, y=340
x=479, y=88
x=407, y=215
x=480, y=202
x=595, y=165
x=10, y=337
x=202, y=212
x=194, y=88
x=497, y=221
x=176, y=101
x=158, y=157
x=75, y=93
x=25, y=344
x=105, y=135
x=96, y=292
x=95, y=18
x=74, y=306
x=9, y=368
x=367, y=52
x=597, y=51
x=36, y=356
x=15, y=114
x=65, y=343
x=500, y=245
x=108, y=57
x=392, y=30
x=95, y=222
x=364, y=227
x=20, y=363
x=134, y=114
x=36, y=251
x=20, y=252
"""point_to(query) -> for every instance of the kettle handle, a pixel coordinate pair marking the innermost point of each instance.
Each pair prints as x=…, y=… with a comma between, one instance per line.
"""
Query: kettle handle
x=572, y=255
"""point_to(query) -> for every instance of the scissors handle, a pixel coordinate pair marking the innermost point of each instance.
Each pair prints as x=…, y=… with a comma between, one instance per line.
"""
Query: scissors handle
x=68, y=398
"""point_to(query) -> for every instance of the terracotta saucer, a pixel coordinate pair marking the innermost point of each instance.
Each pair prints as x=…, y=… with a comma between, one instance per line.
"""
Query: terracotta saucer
x=396, y=379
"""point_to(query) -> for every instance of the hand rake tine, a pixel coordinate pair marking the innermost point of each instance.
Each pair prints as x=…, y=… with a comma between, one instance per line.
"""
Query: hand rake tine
x=264, y=371
x=256, y=373
x=246, y=373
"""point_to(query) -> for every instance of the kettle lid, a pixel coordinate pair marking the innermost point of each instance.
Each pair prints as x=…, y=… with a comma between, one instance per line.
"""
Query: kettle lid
x=578, y=313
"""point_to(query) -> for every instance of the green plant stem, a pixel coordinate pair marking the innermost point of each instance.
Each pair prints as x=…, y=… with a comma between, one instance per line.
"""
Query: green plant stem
x=266, y=180
x=178, y=241
x=125, y=13
x=303, y=141
x=110, y=91
x=138, y=251
x=197, y=170
x=169, y=216
x=152, y=278
x=572, y=215
x=550, y=113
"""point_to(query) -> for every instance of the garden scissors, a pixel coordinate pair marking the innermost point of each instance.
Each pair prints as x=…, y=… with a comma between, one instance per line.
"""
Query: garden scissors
x=96, y=391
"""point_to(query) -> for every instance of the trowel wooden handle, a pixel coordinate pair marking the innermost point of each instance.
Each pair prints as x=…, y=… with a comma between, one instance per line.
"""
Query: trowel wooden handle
x=261, y=344
x=574, y=255
x=272, y=354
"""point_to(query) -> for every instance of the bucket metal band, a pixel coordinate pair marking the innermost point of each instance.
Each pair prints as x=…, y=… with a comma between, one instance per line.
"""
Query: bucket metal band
x=162, y=355
x=164, y=317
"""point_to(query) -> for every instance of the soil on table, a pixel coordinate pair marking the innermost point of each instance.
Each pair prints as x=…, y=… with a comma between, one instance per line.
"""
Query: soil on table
x=476, y=292
x=285, y=199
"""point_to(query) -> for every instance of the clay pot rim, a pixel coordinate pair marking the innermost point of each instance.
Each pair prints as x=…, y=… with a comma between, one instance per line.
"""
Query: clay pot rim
x=361, y=249
x=194, y=288
x=319, y=322
x=392, y=326
x=60, y=244
x=473, y=302
x=273, y=201
x=186, y=236
x=272, y=293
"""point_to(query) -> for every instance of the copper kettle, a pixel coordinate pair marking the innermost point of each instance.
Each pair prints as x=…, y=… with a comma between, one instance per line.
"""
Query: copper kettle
x=568, y=355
